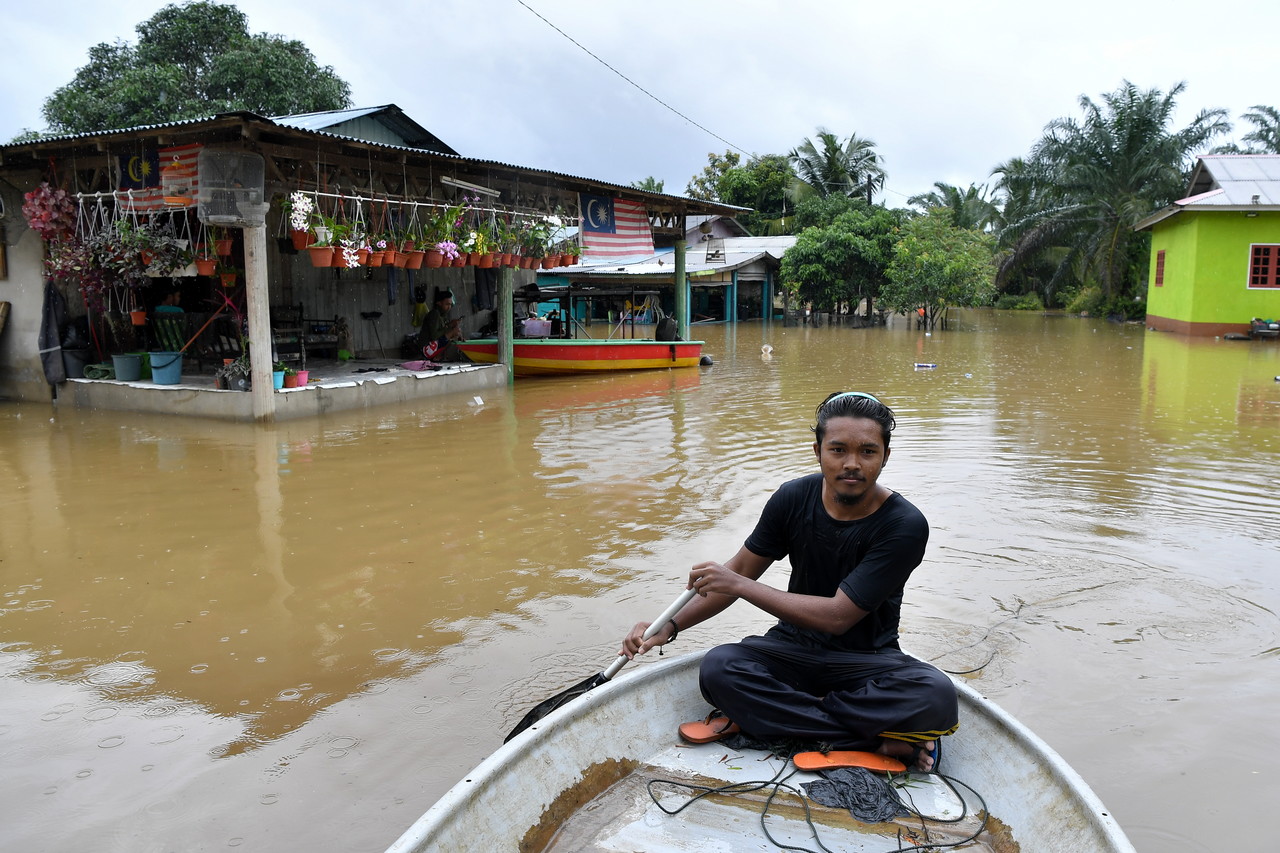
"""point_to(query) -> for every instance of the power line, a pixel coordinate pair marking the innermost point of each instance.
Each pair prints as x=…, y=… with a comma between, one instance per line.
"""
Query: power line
x=632, y=82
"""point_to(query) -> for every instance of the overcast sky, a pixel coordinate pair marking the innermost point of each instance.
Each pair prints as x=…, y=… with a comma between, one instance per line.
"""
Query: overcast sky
x=945, y=90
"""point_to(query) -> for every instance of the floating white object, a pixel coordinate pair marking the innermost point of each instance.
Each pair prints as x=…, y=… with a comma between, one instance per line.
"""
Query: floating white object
x=922, y=366
x=766, y=350
x=475, y=401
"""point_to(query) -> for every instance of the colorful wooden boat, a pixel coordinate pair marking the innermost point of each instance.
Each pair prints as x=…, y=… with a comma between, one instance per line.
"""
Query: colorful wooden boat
x=543, y=356
x=578, y=779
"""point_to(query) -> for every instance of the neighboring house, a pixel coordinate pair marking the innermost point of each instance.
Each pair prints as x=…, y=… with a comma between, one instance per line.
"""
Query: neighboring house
x=1215, y=255
x=729, y=279
x=386, y=124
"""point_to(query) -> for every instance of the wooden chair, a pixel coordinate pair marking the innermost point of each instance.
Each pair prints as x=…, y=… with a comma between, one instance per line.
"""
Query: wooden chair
x=288, y=338
x=190, y=333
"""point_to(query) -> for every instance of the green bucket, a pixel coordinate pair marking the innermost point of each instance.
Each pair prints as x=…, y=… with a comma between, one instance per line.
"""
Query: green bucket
x=128, y=367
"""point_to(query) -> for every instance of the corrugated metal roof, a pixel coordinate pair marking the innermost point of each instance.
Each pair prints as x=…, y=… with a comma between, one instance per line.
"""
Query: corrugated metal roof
x=254, y=117
x=1227, y=182
x=661, y=265
x=326, y=118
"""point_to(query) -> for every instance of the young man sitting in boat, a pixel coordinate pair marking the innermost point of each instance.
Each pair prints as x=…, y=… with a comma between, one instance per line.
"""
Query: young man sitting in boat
x=830, y=672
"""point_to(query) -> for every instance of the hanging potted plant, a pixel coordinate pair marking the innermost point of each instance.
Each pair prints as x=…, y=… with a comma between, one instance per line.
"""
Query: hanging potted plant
x=222, y=241
x=328, y=233
x=301, y=209
x=50, y=212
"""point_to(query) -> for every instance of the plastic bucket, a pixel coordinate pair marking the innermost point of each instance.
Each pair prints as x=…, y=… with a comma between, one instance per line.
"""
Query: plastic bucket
x=74, y=361
x=166, y=368
x=128, y=367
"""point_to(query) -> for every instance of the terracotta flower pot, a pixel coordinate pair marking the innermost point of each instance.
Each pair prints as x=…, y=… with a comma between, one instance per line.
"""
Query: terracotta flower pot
x=550, y=262
x=206, y=266
x=402, y=259
x=362, y=256
x=434, y=259
x=389, y=257
x=375, y=258
x=416, y=258
x=223, y=246
x=228, y=279
x=321, y=256
x=460, y=261
x=485, y=262
x=291, y=380
x=301, y=239
x=138, y=318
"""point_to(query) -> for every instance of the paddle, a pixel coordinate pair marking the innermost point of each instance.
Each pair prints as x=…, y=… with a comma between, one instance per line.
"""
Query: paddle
x=565, y=696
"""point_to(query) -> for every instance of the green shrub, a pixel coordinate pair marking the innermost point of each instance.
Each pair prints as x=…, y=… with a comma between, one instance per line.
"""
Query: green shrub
x=1087, y=301
x=1020, y=302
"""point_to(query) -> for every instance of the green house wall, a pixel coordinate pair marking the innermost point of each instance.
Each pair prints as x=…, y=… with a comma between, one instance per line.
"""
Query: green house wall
x=1206, y=272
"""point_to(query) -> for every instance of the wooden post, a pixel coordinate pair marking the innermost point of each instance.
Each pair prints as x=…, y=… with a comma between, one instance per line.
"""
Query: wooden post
x=259, y=314
x=506, y=321
x=682, y=292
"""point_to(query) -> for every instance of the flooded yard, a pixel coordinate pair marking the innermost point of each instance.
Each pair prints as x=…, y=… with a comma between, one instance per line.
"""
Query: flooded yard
x=296, y=638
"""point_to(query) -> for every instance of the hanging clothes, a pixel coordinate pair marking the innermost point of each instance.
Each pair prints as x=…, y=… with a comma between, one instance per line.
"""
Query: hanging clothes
x=52, y=318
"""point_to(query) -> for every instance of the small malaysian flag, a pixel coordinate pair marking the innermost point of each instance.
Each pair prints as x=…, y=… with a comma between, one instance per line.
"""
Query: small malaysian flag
x=614, y=228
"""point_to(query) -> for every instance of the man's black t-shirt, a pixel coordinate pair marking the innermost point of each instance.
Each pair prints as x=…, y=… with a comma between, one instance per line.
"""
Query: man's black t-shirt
x=870, y=559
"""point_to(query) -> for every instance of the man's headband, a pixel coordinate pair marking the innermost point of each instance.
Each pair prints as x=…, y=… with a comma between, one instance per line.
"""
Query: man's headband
x=850, y=394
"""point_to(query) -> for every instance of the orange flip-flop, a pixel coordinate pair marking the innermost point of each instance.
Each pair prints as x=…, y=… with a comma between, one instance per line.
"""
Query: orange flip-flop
x=713, y=728
x=815, y=761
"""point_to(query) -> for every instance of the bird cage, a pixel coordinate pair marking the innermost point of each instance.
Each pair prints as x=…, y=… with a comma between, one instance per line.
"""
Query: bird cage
x=231, y=189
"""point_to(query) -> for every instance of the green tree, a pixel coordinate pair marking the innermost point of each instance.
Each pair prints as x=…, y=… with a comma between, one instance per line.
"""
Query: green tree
x=649, y=184
x=1265, y=136
x=707, y=185
x=193, y=60
x=936, y=265
x=761, y=185
x=969, y=208
x=831, y=167
x=843, y=261
x=1101, y=174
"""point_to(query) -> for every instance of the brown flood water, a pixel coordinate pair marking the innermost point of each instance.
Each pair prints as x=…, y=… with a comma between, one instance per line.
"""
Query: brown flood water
x=297, y=638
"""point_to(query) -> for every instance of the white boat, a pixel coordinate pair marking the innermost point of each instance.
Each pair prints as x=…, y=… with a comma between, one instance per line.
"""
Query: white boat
x=578, y=780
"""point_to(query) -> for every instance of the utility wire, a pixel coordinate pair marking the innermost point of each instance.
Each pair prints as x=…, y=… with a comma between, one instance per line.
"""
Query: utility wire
x=629, y=80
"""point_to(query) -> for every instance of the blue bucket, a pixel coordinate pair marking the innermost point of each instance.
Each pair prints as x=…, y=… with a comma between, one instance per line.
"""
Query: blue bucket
x=128, y=367
x=166, y=368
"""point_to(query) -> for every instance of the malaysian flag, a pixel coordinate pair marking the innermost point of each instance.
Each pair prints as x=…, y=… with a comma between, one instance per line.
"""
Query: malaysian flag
x=613, y=228
x=157, y=180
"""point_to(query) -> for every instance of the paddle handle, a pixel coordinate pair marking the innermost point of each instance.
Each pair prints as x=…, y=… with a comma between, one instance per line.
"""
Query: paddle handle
x=654, y=627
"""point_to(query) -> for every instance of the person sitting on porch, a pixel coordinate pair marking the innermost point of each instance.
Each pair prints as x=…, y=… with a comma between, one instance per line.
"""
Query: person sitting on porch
x=440, y=332
x=170, y=303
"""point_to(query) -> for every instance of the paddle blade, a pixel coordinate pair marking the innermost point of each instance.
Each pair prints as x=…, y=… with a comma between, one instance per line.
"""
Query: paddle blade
x=537, y=712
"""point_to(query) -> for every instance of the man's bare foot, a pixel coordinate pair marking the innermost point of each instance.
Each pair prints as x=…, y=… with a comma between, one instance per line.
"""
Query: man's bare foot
x=915, y=756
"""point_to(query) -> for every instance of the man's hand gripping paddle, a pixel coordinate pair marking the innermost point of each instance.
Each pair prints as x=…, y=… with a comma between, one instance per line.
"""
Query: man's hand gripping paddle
x=565, y=696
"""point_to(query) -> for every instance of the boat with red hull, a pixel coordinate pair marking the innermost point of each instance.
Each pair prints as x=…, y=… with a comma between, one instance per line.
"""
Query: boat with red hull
x=549, y=356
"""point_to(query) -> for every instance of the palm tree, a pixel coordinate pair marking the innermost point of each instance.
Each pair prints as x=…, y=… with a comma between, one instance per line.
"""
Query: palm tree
x=830, y=167
x=970, y=208
x=1266, y=132
x=649, y=184
x=1092, y=179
